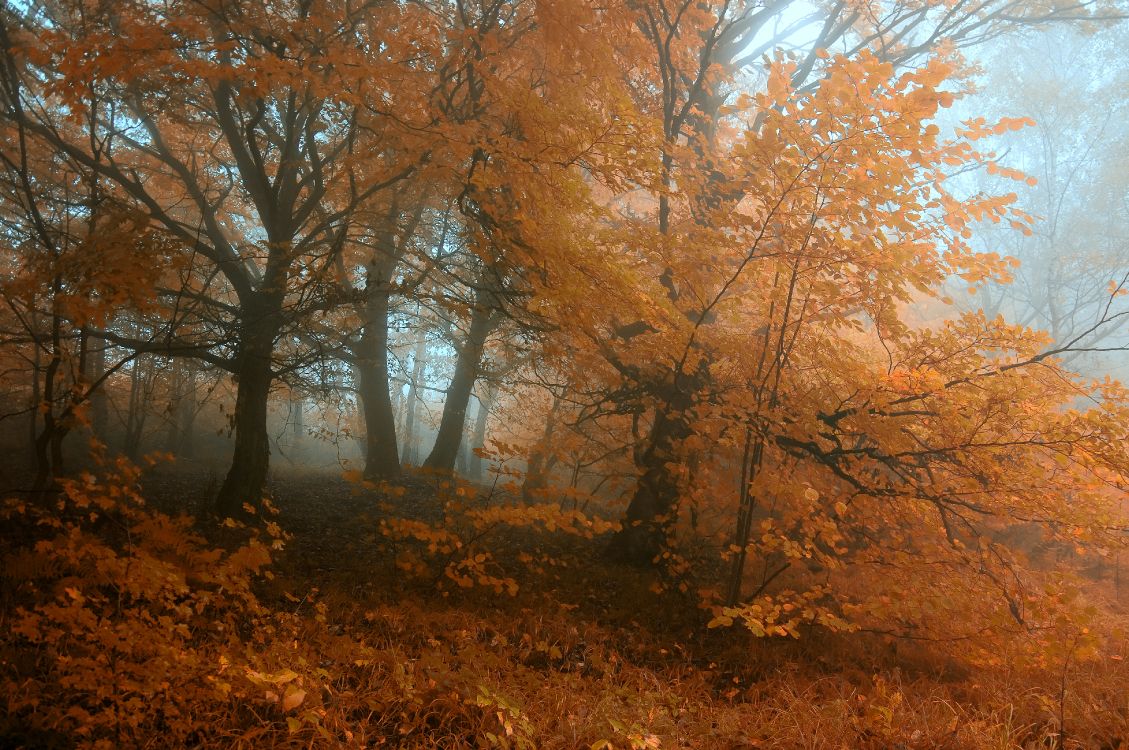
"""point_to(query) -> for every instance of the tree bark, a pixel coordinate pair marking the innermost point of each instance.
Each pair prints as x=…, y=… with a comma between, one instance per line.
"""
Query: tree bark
x=453, y=421
x=461, y=464
x=411, y=440
x=655, y=501
x=541, y=460
x=186, y=417
x=477, y=465
x=251, y=456
x=48, y=443
x=382, y=458
x=136, y=413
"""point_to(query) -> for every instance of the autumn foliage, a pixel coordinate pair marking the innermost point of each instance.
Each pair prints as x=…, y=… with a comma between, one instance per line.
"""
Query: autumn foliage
x=672, y=308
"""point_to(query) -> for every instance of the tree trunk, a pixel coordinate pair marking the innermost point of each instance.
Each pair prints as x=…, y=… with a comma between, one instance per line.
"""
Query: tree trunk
x=396, y=396
x=477, y=465
x=186, y=417
x=251, y=457
x=461, y=465
x=541, y=460
x=135, y=416
x=298, y=420
x=751, y=459
x=48, y=453
x=410, y=439
x=655, y=502
x=34, y=408
x=382, y=458
x=458, y=394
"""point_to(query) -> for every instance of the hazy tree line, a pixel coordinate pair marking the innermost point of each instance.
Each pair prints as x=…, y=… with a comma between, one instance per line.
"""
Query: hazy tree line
x=1069, y=81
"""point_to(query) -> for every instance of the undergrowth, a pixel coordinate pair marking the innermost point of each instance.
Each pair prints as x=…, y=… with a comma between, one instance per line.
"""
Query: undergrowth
x=126, y=627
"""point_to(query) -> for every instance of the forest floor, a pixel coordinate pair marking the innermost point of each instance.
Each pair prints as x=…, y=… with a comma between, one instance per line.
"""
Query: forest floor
x=552, y=646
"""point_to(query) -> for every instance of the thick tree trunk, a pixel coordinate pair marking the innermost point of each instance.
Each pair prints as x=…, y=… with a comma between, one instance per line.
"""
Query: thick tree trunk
x=396, y=397
x=251, y=457
x=655, y=501
x=451, y=425
x=382, y=458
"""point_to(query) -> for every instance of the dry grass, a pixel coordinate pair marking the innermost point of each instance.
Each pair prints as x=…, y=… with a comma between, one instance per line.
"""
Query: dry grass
x=585, y=656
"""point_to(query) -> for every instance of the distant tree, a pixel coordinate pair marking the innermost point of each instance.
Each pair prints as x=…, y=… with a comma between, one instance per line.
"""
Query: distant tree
x=1070, y=85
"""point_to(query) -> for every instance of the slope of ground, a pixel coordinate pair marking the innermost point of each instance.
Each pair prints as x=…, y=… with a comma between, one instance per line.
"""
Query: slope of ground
x=355, y=637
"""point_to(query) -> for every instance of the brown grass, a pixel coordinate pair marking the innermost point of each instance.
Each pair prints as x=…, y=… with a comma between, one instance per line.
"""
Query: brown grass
x=584, y=656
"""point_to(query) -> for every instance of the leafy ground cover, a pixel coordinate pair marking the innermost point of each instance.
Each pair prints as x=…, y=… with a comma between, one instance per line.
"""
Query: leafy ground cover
x=352, y=616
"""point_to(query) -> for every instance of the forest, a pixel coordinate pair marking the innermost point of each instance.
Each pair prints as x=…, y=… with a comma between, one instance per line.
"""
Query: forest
x=602, y=374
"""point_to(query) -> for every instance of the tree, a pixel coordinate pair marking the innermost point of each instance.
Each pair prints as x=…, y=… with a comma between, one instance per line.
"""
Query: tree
x=1069, y=85
x=368, y=352
x=68, y=236
x=693, y=52
x=705, y=265
x=241, y=140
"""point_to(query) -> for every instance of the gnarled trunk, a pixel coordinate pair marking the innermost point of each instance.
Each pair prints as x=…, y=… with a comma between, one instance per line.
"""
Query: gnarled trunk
x=655, y=502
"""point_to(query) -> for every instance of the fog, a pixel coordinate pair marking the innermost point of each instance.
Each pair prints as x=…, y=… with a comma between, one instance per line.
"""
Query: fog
x=524, y=373
x=1070, y=82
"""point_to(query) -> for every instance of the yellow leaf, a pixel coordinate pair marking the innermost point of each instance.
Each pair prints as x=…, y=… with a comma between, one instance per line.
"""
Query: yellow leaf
x=283, y=677
x=293, y=699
